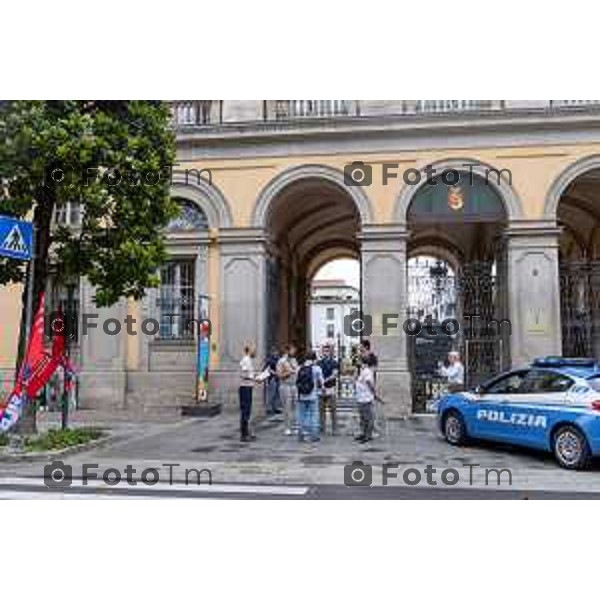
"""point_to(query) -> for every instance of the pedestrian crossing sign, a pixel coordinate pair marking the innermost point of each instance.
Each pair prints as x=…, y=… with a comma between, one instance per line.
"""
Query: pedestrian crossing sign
x=15, y=238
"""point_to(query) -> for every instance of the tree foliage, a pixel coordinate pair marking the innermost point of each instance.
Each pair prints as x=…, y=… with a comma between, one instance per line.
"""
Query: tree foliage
x=112, y=157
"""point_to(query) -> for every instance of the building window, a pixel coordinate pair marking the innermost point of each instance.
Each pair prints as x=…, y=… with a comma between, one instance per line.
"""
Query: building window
x=330, y=331
x=177, y=300
x=68, y=214
x=330, y=313
x=190, y=217
x=64, y=297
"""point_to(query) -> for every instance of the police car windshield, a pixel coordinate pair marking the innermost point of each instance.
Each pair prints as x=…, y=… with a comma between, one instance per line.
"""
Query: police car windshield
x=594, y=383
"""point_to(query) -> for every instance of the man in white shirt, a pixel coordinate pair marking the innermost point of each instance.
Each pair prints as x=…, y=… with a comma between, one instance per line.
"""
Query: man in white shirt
x=247, y=381
x=454, y=372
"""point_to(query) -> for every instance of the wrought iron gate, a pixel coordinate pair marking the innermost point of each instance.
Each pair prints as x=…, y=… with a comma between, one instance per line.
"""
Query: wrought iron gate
x=475, y=298
x=580, y=307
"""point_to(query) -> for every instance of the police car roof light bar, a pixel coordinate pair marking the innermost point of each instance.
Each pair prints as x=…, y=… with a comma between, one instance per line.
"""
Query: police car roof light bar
x=560, y=361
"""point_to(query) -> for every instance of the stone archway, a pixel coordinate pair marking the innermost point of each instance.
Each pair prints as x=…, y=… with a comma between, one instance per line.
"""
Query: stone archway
x=304, y=172
x=207, y=196
x=306, y=213
x=572, y=202
x=503, y=187
x=463, y=227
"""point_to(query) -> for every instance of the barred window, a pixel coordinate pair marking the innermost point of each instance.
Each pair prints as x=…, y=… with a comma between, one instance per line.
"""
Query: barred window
x=177, y=299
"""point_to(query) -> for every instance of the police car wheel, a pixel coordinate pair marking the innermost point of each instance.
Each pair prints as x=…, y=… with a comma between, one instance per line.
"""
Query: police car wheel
x=455, y=431
x=571, y=448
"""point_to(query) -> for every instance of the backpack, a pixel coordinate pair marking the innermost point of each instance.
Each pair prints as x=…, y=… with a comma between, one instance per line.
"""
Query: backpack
x=305, y=381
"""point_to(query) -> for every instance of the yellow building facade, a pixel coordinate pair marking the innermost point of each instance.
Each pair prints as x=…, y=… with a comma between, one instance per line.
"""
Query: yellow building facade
x=266, y=187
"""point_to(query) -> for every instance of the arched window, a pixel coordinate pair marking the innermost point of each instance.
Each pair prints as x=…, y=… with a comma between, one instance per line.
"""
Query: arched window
x=190, y=217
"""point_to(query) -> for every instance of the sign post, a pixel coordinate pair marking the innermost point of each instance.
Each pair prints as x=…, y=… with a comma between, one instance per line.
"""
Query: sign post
x=17, y=242
x=16, y=238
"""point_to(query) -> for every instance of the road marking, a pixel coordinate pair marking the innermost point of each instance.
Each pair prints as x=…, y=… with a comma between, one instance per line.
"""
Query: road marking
x=49, y=495
x=204, y=488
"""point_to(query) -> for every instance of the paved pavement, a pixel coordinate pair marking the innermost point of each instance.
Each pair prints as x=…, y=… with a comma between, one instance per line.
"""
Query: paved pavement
x=412, y=449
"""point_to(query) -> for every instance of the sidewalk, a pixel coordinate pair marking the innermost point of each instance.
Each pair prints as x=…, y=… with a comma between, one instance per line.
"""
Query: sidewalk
x=414, y=443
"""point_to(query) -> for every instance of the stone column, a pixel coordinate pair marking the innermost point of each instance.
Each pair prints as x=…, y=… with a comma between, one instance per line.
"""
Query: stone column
x=243, y=302
x=103, y=356
x=533, y=290
x=384, y=291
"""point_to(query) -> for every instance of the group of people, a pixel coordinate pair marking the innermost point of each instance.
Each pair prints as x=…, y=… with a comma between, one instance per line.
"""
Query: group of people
x=304, y=389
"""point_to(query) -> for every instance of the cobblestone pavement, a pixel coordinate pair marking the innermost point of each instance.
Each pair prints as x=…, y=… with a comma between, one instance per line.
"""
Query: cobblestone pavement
x=414, y=443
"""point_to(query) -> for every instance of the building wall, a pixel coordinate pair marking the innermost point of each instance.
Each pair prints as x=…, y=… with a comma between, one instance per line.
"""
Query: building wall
x=242, y=170
x=319, y=322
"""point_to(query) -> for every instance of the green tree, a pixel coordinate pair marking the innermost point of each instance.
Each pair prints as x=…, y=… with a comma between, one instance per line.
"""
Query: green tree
x=111, y=157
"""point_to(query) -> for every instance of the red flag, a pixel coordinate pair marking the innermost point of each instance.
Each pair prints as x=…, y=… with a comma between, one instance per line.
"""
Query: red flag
x=35, y=371
x=38, y=366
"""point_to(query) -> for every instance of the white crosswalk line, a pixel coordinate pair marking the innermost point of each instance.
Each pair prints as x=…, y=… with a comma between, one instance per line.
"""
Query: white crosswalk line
x=164, y=488
x=48, y=495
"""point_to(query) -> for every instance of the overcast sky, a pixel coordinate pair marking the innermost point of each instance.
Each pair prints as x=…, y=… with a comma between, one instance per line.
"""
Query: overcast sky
x=342, y=268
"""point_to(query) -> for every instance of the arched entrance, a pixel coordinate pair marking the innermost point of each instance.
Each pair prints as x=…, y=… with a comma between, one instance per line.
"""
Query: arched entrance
x=309, y=217
x=578, y=215
x=335, y=295
x=456, y=282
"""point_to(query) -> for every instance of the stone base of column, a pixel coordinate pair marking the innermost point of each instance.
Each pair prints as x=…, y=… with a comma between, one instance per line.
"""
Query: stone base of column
x=202, y=409
x=223, y=388
x=394, y=388
x=102, y=389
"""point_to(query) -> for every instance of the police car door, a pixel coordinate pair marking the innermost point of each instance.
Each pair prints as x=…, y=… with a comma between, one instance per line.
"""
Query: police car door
x=545, y=392
x=492, y=404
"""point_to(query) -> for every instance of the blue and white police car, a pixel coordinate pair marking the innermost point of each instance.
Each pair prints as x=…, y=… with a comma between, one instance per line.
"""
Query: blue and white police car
x=552, y=405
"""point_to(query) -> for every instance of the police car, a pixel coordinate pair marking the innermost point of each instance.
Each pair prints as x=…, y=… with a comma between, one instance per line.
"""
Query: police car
x=553, y=405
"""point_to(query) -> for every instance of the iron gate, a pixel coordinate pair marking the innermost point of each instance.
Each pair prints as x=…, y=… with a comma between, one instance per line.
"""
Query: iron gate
x=580, y=307
x=472, y=297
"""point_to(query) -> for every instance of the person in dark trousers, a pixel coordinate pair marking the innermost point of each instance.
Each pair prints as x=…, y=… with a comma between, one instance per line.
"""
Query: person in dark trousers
x=247, y=381
x=328, y=399
x=272, y=401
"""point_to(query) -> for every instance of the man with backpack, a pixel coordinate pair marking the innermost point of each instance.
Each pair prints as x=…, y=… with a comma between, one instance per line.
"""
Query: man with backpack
x=309, y=383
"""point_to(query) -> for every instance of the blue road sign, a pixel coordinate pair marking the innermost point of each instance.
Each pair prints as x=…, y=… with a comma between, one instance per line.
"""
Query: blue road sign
x=16, y=238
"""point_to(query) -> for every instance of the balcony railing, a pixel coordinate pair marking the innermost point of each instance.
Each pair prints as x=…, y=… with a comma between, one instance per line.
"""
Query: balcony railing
x=452, y=106
x=199, y=113
x=300, y=109
x=196, y=112
x=573, y=103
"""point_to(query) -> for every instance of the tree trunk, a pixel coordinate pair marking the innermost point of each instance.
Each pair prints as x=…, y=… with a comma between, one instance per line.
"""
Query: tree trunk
x=42, y=220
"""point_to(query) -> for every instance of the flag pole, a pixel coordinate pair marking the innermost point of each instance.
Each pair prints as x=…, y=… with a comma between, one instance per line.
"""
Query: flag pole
x=30, y=282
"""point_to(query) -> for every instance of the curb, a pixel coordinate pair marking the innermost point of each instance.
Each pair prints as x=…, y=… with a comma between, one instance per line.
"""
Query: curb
x=52, y=454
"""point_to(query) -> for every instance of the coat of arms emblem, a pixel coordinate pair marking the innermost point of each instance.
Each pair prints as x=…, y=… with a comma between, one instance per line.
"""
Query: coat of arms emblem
x=455, y=197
